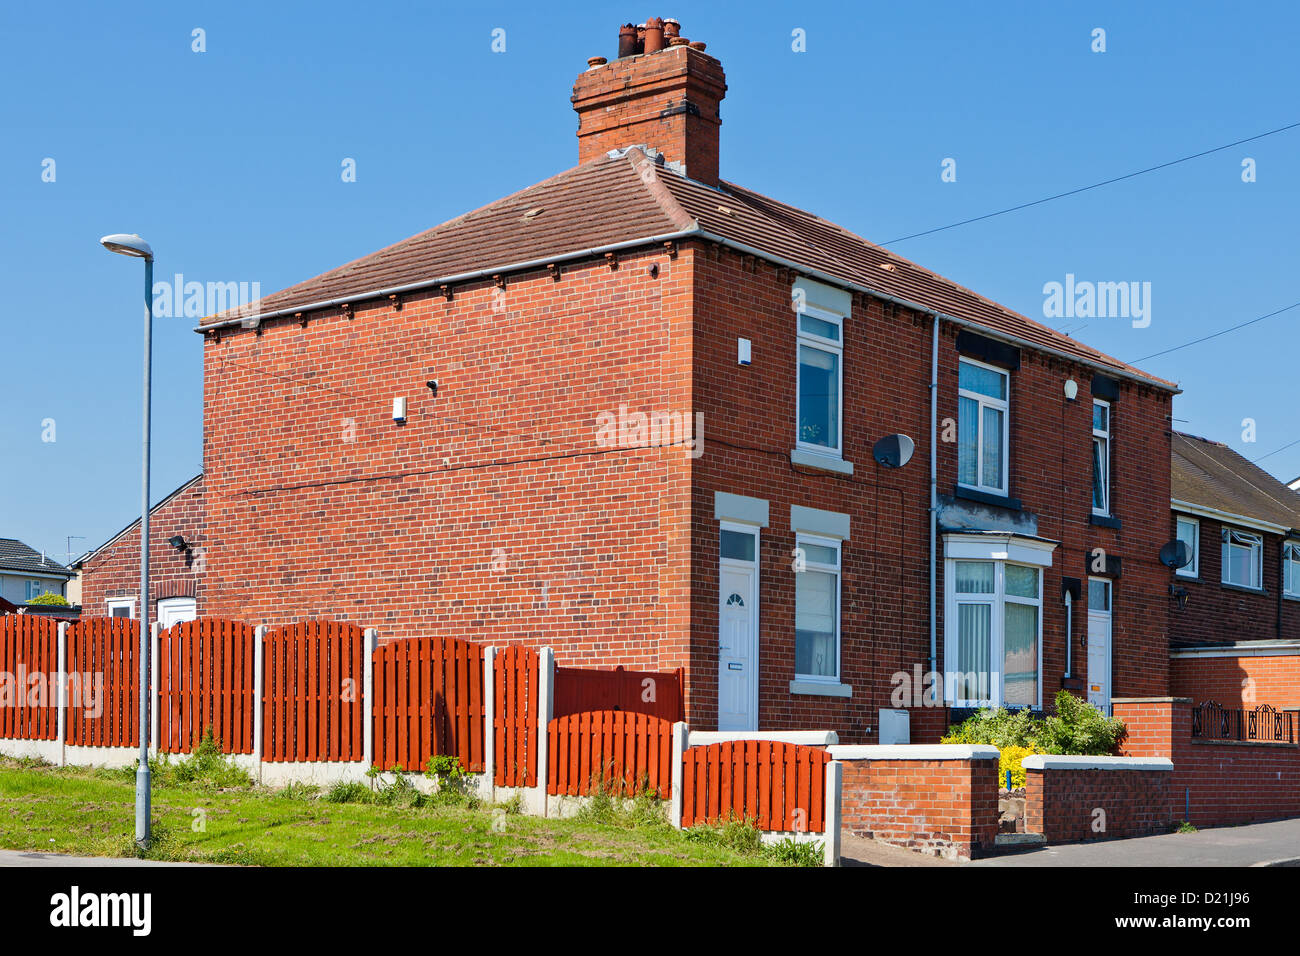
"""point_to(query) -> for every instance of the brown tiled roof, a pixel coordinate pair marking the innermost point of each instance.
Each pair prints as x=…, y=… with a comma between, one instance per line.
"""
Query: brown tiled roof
x=1212, y=475
x=615, y=200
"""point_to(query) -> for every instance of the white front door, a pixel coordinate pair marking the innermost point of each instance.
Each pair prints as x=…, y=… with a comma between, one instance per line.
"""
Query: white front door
x=738, y=630
x=1099, y=618
x=174, y=610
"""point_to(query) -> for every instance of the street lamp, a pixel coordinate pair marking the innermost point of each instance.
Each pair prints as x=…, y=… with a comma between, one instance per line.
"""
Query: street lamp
x=132, y=245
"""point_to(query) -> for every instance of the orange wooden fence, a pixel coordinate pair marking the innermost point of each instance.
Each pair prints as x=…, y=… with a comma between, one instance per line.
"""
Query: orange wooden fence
x=29, y=645
x=624, y=752
x=205, y=680
x=428, y=700
x=313, y=683
x=778, y=785
x=104, y=651
x=579, y=689
x=515, y=717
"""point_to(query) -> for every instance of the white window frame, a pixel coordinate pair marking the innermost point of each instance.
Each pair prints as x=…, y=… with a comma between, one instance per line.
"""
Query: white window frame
x=128, y=603
x=1293, y=559
x=1193, y=569
x=837, y=544
x=823, y=344
x=1103, y=436
x=1243, y=539
x=982, y=401
x=34, y=589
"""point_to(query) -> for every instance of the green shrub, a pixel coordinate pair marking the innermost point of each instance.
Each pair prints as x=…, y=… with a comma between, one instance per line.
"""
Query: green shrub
x=206, y=768
x=1000, y=728
x=349, y=792
x=742, y=836
x=50, y=599
x=1078, y=727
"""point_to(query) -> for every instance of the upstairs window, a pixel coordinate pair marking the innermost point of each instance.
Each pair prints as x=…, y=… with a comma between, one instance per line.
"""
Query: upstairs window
x=1243, y=563
x=34, y=590
x=1291, y=568
x=821, y=354
x=1189, y=532
x=1100, y=457
x=983, y=393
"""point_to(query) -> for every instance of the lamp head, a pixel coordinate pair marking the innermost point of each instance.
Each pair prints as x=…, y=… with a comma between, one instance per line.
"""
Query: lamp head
x=127, y=244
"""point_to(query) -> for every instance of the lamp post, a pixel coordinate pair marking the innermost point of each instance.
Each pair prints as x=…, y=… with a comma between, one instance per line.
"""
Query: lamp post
x=132, y=245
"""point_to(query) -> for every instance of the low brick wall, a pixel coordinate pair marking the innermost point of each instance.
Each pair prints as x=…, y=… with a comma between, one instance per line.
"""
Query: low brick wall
x=1238, y=676
x=939, y=799
x=1071, y=799
x=1215, y=782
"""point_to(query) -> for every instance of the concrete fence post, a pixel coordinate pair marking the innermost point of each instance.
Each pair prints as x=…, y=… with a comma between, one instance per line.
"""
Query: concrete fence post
x=63, y=693
x=545, y=712
x=487, y=789
x=831, y=802
x=679, y=770
x=368, y=693
x=155, y=686
x=259, y=702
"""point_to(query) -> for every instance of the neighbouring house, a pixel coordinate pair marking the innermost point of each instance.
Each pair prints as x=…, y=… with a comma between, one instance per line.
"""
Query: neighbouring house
x=110, y=573
x=26, y=574
x=631, y=413
x=1235, y=627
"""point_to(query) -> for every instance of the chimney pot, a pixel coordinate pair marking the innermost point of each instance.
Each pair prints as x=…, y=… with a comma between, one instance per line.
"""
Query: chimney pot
x=698, y=45
x=595, y=62
x=671, y=28
x=627, y=40
x=654, y=35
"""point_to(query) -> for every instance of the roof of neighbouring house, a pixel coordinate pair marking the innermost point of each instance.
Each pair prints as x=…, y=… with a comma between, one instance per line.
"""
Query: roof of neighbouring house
x=94, y=551
x=629, y=198
x=16, y=556
x=1212, y=475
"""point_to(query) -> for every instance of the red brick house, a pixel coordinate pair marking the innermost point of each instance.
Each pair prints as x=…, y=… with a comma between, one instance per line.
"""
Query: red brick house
x=630, y=412
x=1235, y=630
x=110, y=573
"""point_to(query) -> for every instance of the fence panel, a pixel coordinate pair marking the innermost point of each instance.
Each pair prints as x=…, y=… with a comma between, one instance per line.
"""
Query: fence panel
x=428, y=701
x=515, y=717
x=205, y=680
x=313, y=692
x=29, y=646
x=780, y=786
x=579, y=689
x=625, y=753
x=104, y=671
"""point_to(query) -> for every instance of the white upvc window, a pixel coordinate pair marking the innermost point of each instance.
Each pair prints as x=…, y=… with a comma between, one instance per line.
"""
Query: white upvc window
x=983, y=401
x=121, y=607
x=819, y=384
x=1189, y=532
x=994, y=633
x=1291, y=568
x=1100, y=457
x=35, y=589
x=817, y=609
x=1243, y=554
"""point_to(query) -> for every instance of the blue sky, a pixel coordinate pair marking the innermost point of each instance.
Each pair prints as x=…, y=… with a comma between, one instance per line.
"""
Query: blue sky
x=229, y=162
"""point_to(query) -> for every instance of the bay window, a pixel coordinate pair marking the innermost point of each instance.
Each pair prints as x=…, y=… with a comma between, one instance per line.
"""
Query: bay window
x=1243, y=564
x=982, y=403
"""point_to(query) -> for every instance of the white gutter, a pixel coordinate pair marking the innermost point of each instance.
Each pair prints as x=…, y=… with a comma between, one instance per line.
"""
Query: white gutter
x=1226, y=516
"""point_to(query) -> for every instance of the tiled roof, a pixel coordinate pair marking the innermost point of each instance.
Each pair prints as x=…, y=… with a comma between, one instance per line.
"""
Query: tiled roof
x=16, y=556
x=1212, y=475
x=626, y=198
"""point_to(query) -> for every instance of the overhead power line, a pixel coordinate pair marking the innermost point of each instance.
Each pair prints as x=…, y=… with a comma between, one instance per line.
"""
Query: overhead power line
x=1082, y=189
x=1215, y=335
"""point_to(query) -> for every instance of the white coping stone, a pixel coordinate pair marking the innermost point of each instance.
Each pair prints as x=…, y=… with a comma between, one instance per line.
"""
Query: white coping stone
x=811, y=738
x=1063, y=762
x=915, y=752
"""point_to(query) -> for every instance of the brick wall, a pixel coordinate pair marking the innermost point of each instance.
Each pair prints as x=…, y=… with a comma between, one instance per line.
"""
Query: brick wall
x=1227, y=782
x=114, y=571
x=1247, y=679
x=944, y=807
x=1068, y=806
x=1218, y=613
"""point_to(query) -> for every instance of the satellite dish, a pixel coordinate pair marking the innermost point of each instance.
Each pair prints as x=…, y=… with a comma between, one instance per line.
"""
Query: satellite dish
x=1176, y=554
x=893, y=451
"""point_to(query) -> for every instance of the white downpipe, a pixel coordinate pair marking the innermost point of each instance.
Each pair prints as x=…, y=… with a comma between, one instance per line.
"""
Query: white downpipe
x=1069, y=627
x=934, y=489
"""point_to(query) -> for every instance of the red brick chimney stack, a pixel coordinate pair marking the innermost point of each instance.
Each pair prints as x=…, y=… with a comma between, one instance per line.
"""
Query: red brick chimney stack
x=663, y=91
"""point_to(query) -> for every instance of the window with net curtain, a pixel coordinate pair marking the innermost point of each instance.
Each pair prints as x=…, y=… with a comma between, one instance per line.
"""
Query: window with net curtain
x=998, y=607
x=816, y=613
x=981, y=426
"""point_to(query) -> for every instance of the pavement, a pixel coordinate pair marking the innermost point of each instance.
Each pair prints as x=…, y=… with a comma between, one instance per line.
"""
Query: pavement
x=28, y=858
x=1256, y=844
